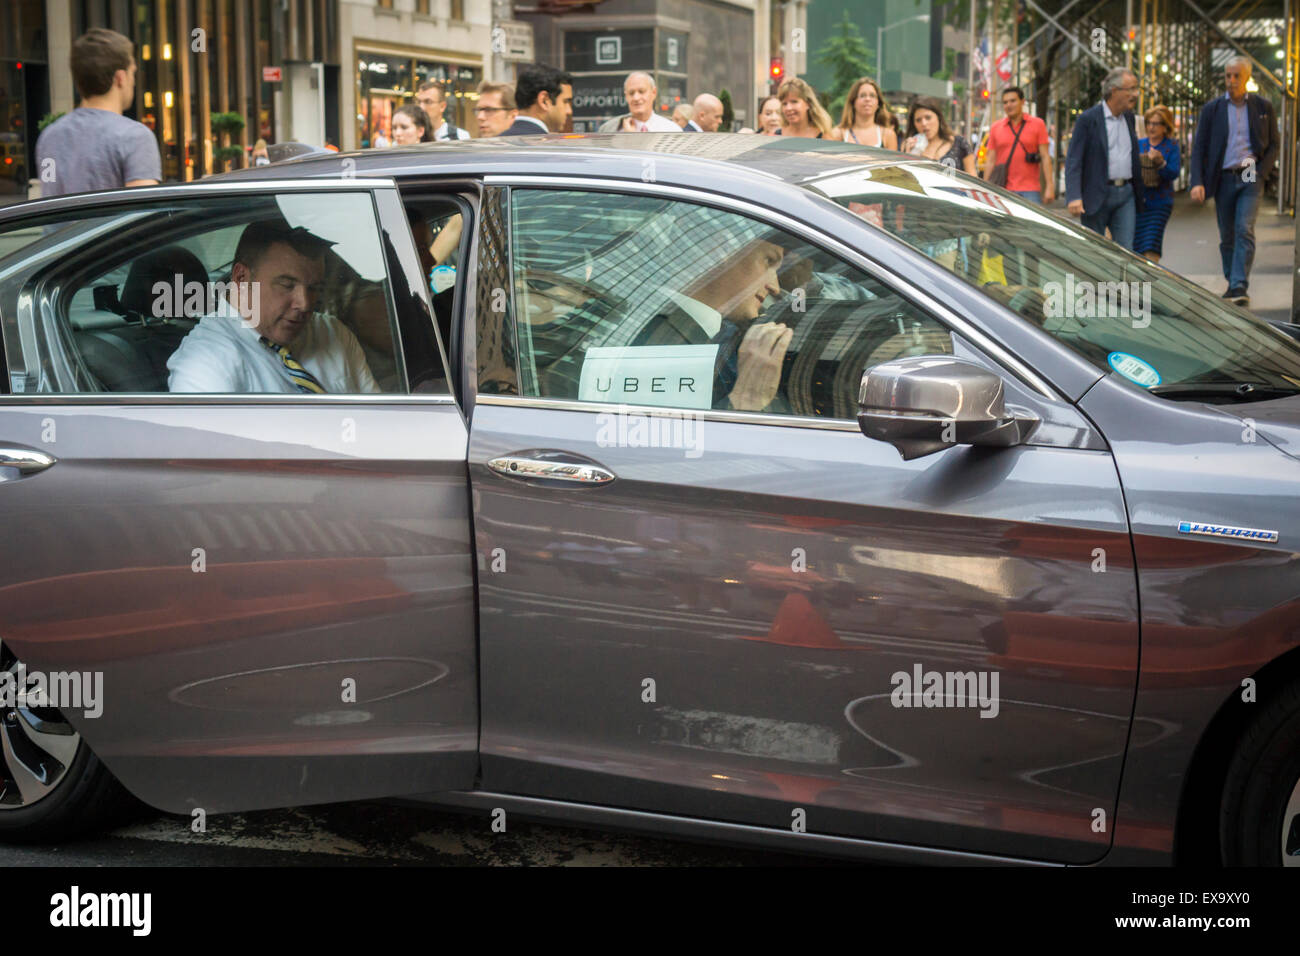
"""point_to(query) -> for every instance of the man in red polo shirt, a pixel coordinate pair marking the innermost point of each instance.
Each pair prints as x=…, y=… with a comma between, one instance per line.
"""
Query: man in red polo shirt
x=1031, y=152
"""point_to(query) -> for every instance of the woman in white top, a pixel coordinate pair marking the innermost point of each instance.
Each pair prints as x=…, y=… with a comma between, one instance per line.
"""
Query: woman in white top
x=865, y=120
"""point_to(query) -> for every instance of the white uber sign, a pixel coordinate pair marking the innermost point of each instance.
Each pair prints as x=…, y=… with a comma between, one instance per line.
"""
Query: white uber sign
x=671, y=376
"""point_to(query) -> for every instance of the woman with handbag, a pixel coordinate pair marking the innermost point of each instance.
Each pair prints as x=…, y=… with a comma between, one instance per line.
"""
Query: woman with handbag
x=1161, y=164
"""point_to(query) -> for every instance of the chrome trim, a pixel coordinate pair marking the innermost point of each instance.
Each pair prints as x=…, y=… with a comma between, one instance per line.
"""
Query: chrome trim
x=36, y=207
x=658, y=411
x=26, y=460
x=976, y=335
x=516, y=466
x=182, y=398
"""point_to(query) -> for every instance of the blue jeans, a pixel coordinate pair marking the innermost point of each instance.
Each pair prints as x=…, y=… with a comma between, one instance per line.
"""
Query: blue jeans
x=1033, y=195
x=1236, y=203
x=1119, y=211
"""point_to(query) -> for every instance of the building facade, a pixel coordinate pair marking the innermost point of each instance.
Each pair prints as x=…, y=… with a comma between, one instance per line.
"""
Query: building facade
x=389, y=47
x=688, y=46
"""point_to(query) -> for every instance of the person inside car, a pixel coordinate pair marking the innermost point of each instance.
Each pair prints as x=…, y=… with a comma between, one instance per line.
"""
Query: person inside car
x=264, y=334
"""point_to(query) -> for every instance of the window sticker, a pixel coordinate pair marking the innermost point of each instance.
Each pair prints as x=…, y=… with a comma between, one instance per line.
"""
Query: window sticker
x=1134, y=369
x=677, y=376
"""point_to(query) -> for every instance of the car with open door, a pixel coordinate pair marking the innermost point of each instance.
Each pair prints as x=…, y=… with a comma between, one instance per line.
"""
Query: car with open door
x=790, y=493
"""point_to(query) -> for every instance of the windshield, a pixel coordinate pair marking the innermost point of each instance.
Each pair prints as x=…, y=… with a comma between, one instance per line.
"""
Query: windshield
x=1125, y=315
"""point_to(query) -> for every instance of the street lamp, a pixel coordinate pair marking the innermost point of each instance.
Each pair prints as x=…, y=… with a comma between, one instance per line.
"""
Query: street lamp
x=880, y=40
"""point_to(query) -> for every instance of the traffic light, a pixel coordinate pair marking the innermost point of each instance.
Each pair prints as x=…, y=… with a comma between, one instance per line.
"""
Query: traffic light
x=778, y=69
x=984, y=93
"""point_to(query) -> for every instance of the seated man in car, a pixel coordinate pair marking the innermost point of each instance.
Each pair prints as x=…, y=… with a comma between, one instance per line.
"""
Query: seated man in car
x=721, y=307
x=265, y=335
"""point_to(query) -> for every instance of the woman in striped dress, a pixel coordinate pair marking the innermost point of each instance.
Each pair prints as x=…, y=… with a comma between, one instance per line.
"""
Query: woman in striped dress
x=1157, y=148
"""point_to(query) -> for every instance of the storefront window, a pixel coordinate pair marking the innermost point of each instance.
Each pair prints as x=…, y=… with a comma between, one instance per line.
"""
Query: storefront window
x=386, y=83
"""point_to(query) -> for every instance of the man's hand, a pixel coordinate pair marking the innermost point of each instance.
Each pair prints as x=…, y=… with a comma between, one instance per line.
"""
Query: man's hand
x=630, y=124
x=1049, y=194
x=1197, y=194
x=1075, y=207
x=758, y=365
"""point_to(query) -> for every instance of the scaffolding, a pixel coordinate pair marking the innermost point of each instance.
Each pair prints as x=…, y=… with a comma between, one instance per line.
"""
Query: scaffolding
x=1176, y=48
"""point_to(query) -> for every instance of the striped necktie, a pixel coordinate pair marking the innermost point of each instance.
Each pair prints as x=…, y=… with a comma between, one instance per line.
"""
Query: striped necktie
x=305, y=380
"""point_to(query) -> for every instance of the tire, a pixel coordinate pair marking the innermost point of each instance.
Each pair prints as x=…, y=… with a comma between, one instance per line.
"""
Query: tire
x=1261, y=792
x=51, y=786
x=88, y=798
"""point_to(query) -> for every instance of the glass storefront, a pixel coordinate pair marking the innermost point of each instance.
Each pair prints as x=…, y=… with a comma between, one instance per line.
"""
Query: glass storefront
x=179, y=87
x=386, y=82
x=24, y=92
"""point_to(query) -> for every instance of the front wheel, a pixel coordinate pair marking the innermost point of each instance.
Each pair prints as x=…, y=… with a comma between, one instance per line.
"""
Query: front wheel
x=1259, y=822
x=51, y=786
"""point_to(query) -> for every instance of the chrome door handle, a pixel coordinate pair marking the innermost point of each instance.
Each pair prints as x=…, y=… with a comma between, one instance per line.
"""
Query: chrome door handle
x=514, y=466
x=26, y=461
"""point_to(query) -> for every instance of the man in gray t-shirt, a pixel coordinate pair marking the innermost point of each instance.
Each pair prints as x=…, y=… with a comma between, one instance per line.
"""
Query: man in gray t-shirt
x=95, y=146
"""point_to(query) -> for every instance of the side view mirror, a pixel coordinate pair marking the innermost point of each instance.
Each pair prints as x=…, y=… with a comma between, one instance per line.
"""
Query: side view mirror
x=925, y=403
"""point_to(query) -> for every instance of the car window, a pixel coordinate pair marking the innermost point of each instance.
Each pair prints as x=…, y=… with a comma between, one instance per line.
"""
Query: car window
x=1122, y=313
x=223, y=295
x=643, y=300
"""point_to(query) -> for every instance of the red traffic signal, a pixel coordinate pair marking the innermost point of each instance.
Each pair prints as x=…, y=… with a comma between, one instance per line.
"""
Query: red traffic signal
x=778, y=68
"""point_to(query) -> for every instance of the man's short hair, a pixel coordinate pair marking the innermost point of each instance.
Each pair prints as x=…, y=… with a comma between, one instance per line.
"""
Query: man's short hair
x=1013, y=89
x=432, y=85
x=537, y=77
x=505, y=89
x=1240, y=60
x=259, y=236
x=97, y=55
x=649, y=79
x=1114, y=80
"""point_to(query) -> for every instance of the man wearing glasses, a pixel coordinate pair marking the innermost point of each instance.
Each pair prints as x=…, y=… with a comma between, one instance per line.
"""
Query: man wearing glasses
x=496, y=111
x=431, y=98
x=1103, y=169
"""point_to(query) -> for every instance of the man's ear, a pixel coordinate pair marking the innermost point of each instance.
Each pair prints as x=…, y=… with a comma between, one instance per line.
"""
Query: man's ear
x=545, y=101
x=240, y=272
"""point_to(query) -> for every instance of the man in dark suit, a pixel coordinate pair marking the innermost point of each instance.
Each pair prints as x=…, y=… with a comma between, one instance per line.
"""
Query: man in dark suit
x=721, y=308
x=1235, y=148
x=1103, y=170
x=544, y=96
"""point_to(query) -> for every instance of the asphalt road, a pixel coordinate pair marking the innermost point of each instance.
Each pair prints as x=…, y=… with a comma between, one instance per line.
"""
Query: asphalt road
x=371, y=834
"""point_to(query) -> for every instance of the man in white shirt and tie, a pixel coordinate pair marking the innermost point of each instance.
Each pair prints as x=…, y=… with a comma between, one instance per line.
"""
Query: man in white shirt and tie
x=264, y=335
x=641, y=94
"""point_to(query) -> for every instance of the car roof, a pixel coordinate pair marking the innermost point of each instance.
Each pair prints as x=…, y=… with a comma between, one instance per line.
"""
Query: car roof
x=696, y=158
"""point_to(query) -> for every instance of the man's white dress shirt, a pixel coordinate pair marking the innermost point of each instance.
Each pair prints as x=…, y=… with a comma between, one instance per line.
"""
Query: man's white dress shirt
x=657, y=124
x=1119, y=145
x=224, y=355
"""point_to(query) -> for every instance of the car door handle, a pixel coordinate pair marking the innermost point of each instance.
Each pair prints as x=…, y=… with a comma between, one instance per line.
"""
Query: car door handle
x=25, y=461
x=581, y=473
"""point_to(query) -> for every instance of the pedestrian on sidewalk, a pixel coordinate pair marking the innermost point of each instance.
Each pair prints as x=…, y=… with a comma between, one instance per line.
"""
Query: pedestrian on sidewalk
x=1234, y=150
x=1161, y=164
x=1103, y=169
x=1019, y=142
x=95, y=146
x=865, y=119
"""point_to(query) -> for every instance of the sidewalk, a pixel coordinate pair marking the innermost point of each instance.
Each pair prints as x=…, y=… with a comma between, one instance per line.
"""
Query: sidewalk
x=1192, y=250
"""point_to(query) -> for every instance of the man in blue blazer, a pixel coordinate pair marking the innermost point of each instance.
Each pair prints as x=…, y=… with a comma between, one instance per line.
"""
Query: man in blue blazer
x=1103, y=171
x=1235, y=148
